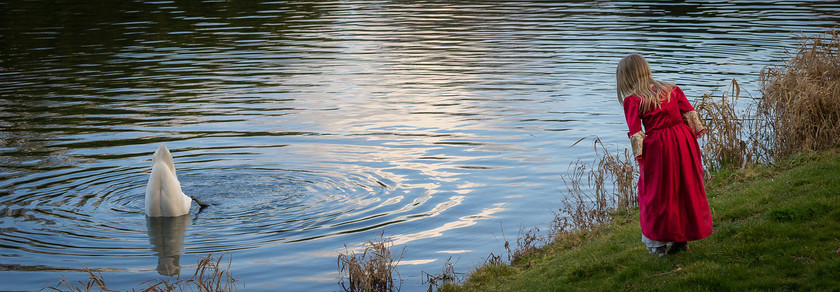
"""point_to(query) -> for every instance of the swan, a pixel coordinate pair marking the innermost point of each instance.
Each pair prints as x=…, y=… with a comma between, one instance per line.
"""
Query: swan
x=164, y=197
x=166, y=234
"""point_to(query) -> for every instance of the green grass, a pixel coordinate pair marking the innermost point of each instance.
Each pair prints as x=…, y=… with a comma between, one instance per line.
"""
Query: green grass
x=775, y=228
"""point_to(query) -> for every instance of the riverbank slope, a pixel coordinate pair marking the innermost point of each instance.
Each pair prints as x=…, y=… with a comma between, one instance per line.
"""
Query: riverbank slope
x=775, y=227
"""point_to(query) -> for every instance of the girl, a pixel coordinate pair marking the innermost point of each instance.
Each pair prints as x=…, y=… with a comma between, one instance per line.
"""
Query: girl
x=672, y=200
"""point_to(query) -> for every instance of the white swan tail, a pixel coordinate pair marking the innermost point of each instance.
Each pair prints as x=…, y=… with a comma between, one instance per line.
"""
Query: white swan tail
x=163, y=191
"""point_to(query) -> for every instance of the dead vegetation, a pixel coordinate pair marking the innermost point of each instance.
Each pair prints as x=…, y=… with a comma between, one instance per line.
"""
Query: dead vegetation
x=596, y=189
x=736, y=136
x=801, y=99
x=799, y=109
x=95, y=281
x=209, y=275
x=374, y=269
x=527, y=243
x=446, y=276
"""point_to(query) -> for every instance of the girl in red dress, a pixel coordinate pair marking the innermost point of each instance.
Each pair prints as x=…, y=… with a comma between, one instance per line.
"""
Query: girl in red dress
x=672, y=200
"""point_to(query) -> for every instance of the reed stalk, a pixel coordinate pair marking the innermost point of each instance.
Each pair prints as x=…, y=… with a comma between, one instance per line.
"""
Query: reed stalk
x=374, y=269
x=801, y=98
x=209, y=276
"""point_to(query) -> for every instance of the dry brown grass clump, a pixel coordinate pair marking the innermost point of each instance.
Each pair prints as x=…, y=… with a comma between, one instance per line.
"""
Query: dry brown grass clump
x=373, y=269
x=95, y=281
x=209, y=276
x=527, y=243
x=735, y=135
x=799, y=110
x=801, y=98
x=447, y=276
x=610, y=185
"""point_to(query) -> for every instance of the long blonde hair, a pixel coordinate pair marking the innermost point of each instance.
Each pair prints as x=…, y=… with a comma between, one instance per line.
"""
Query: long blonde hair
x=633, y=77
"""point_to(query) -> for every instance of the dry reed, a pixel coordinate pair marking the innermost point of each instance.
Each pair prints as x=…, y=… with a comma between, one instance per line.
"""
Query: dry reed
x=372, y=270
x=528, y=242
x=610, y=185
x=209, y=276
x=735, y=135
x=799, y=109
x=95, y=281
x=446, y=276
x=801, y=98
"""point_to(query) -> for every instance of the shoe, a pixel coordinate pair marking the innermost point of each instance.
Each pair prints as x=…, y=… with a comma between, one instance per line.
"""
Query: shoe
x=678, y=247
x=658, y=251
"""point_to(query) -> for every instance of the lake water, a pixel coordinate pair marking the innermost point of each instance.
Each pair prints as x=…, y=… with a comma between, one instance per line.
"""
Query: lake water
x=447, y=125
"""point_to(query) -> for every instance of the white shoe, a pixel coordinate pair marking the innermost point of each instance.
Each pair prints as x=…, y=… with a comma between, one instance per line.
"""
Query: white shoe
x=658, y=251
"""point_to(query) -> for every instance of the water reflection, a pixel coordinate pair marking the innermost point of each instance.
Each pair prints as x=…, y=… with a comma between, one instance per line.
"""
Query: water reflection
x=166, y=234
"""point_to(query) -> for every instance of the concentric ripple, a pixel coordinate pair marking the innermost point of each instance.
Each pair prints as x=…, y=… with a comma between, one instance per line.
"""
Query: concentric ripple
x=85, y=211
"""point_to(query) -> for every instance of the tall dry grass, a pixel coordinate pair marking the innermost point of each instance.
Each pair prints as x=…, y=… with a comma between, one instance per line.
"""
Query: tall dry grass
x=799, y=109
x=95, y=281
x=447, y=276
x=596, y=189
x=374, y=269
x=801, y=99
x=735, y=134
x=209, y=276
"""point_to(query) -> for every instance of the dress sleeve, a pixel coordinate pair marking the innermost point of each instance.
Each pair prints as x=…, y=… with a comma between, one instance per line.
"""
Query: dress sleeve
x=634, y=123
x=689, y=115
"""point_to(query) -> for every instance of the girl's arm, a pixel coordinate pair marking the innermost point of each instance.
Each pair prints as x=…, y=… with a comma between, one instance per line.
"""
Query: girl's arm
x=689, y=115
x=634, y=123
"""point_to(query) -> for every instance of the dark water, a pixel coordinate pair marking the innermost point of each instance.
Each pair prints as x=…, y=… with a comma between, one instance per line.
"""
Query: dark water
x=311, y=125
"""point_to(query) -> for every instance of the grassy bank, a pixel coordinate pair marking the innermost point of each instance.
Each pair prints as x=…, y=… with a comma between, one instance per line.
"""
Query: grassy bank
x=776, y=227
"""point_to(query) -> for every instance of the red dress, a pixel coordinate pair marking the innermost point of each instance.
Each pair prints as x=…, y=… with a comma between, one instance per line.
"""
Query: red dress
x=672, y=199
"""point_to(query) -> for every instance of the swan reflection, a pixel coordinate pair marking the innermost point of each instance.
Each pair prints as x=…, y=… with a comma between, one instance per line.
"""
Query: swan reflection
x=166, y=234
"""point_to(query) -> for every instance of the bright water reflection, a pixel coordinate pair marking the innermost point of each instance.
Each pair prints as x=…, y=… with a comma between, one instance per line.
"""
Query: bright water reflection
x=315, y=124
x=166, y=234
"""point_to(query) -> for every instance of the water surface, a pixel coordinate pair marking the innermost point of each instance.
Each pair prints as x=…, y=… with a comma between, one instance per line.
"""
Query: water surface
x=315, y=125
